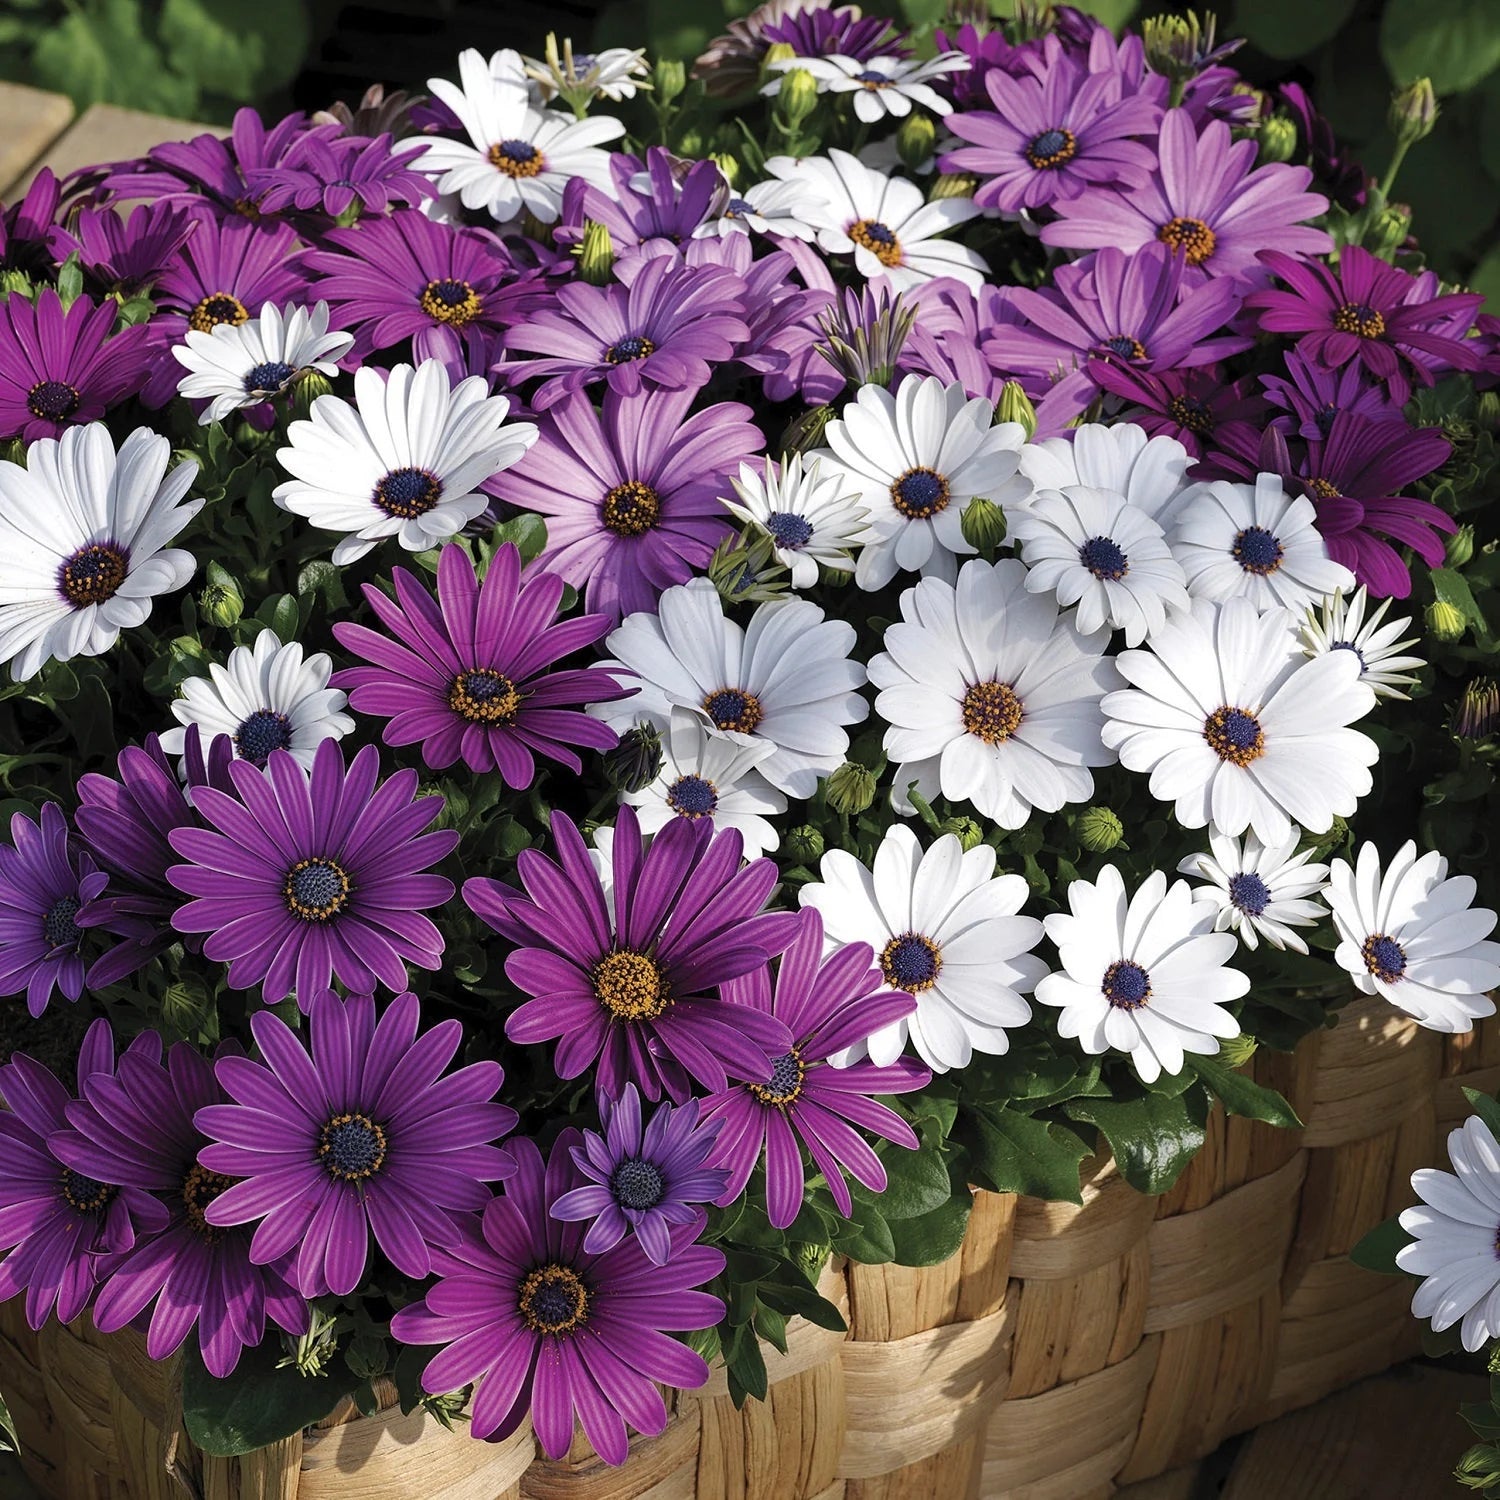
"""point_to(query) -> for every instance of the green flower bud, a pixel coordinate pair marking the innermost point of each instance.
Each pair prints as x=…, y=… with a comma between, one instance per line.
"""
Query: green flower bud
x=1478, y=714
x=16, y=281
x=367, y=1357
x=1276, y=139
x=669, y=79
x=596, y=254
x=1171, y=44
x=1413, y=112
x=983, y=524
x=837, y=578
x=1487, y=410
x=851, y=788
x=1015, y=405
x=1478, y=1467
x=969, y=834
x=953, y=185
x=533, y=228
x=186, y=1008
x=1459, y=547
x=636, y=761
x=1494, y=1359
x=803, y=844
x=221, y=605
x=1445, y=621
x=806, y=432
x=728, y=164
x=691, y=143
x=1236, y=1051
x=14, y=452
x=307, y=389
x=915, y=140
x=1100, y=829
x=798, y=95
x=1388, y=230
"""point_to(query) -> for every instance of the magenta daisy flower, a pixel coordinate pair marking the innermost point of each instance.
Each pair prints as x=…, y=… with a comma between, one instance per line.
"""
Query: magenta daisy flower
x=1315, y=396
x=57, y=1224
x=820, y=32
x=827, y=1007
x=631, y=492
x=63, y=368
x=319, y=175
x=135, y=1128
x=648, y=1179
x=126, y=256
x=1198, y=407
x=542, y=1327
x=1207, y=200
x=302, y=877
x=468, y=675
x=666, y=328
x=28, y=237
x=1371, y=312
x=1052, y=137
x=629, y=983
x=363, y=1135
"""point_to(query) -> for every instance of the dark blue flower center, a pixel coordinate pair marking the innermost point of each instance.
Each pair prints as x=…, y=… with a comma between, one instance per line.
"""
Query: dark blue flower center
x=93, y=574
x=1384, y=957
x=911, y=962
x=733, y=710
x=630, y=509
x=873, y=78
x=692, y=797
x=633, y=346
x=264, y=731
x=1360, y=319
x=449, y=292
x=1257, y=551
x=1249, y=893
x=1349, y=646
x=738, y=208
x=315, y=889
x=1191, y=413
x=1125, y=346
x=790, y=530
x=352, y=1147
x=637, y=1184
x=553, y=1299
x=270, y=376
x=920, y=493
x=455, y=303
x=216, y=308
x=1234, y=736
x=85, y=1195
x=199, y=1188
x=582, y=62
x=1052, y=149
x=1324, y=417
x=406, y=493
x=516, y=158
x=882, y=234
x=1127, y=986
x=785, y=1082
x=52, y=400
x=484, y=696
x=1104, y=558
x=59, y=929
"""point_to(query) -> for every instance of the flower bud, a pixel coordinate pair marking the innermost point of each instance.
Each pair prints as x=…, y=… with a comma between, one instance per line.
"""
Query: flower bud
x=803, y=844
x=728, y=164
x=1494, y=1359
x=805, y=433
x=836, y=578
x=1388, y=230
x=669, y=79
x=983, y=524
x=1236, y=1051
x=953, y=185
x=1015, y=405
x=14, y=452
x=367, y=1356
x=16, y=281
x=1478, y=714
x=1276, y=138
x=851, y=788
x=636, y=761
x=798, y=95
x=596, y=254
x=307, y=388
x=915, y=140
x=221, y=605
x=1445, y=621
x=969, y=834
x=186, y=1008
x=1100, y=829
x=1459, y=547
x=1413, y=112
x=1487, y=411
x=1478, y=1467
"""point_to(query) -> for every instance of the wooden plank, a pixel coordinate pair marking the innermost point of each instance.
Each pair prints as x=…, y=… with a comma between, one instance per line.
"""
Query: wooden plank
x=1177, y=1484
x=30, y=121
x=105, y=132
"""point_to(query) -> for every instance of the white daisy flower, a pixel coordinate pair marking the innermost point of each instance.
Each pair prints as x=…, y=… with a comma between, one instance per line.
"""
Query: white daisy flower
x=1146, y=471
x=1457, y=1229
x=881, y=85
x=1340, y=625
x=1092, y=548
x=405, y=460
x=517, y=158
x=885, y=222
x=945, y=929
x=235, y=365
x=990, y=697
x=772, y=207
x=810, y=514
x=713, y=776
x=614, y=74
x=1254, y=541
x=1145, y=976
x=83, y=534
x=1414, y=936
x=1259, y=890
x=914, y=461
x=1238, y=728
x=786, y=678
x=265, y=697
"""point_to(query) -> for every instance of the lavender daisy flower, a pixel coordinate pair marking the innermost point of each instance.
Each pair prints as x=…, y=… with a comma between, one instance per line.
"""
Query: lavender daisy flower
x=43, y=884
x=949, y=333
x=815, y=31
x=663, y=197
x=1197, y=407
x=56, y=1224
x=667, y=328
x=126, y=256
x=1315, y=396
x=135, y=1128
x=631, y=492
x=542, y=1327
x=469, y=675
x=302, y=877
x=644, y=1179
x=363, y=1136
x=333, y=177
x=61, y=368
x=629, y=984
x=1207, y=200
x=827, y=1007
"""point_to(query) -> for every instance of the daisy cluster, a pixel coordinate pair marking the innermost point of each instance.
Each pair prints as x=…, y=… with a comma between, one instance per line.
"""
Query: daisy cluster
x=619, y=684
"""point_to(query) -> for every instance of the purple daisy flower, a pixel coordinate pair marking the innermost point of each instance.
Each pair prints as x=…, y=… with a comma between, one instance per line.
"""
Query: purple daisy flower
x=541, y=1326
x=827, y=1007
x=630, y=492
x=64, y=368
x=1052, y=137
x=135, y=1128
x=1197, y=407
x=300, y=877
x=1206, y=200
x=794, y=366
x=666, y=328
x=1315, y=395
x=362, y=1136
x=467, y=675
x=56, y=1224
x=988, y=50
x=27, y=232
x=630, y=982
x=649, y=1179
x=1372, y=312
x=947, y=338
x=662, y=198
x=43, y=885
x=1341, y=178
x=331, y=176
x=822, y=32
x=126, y=256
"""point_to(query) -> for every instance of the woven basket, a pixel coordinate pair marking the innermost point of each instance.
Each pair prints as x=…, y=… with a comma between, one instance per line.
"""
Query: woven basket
x=1062, y=1350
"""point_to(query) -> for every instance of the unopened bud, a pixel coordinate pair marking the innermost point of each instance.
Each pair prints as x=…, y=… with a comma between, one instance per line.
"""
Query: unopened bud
x=851, y=788
x=953, y=185
x=1445, y=621
x=1388, y=232
x=636, y=761
x=728, y=164
x=596, y=254
x=803, y=844
x=1236, y=1051
x=915, y=140
x=1015, y=405
x=307, y=389
x=16, y=281
x=969, y=834
x=669, y=79
x=1459, y=547
x=1100, y=829
x=1478, y=714
x=798, y=96
x=1413, y=112
x=805, y=433
x=367, y=1356
x=186, y=1008
x=983, y=524
x=221, y=606
x=14, y=452
x=836, y=578
x=1276, y=138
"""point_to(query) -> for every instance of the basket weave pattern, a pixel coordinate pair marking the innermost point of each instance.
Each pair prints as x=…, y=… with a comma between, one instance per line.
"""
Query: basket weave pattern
x=1062, y=1350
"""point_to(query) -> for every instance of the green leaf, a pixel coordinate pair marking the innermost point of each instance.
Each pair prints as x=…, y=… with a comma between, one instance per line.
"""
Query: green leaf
x=866, y=1237
x=803, y=1302
x=935, y=1236
x=99, y=52
x=1243, y=1096
x=1291, y=28
x=1377, y=1250
x=235, y=49
x=1485, y=1106
x=1451, y=587
x=1022, y=1154
x=9, y=1443
x=1153, y=1137
x=527, y=531
x=916, y=1183
x=1455, y=43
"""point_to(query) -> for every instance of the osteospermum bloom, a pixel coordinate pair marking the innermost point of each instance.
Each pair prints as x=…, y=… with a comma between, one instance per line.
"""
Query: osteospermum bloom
x=991, y=698
x=829, y=1007
x=1260, y=890
x=882, y=85
x=1193, y=407
x=1413, y=935
x=1339, y=624
x=472, y=675
x=330, y=176
x=1123, y=458
x=914, y=460
x=265, y=697
x=357, y=1134
x=810, y=516
x=406, y=460
x=135, y=1127
x=645, y=1178
x=301, y=876
x=1144, y=975
x=541, y=1327
x=1315, y=395
x=83, y=534
x=777, y=208
x=1238, y=728
x=787, y=678
x=629, y=985
x=943, y=928
x=1455, y=1228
